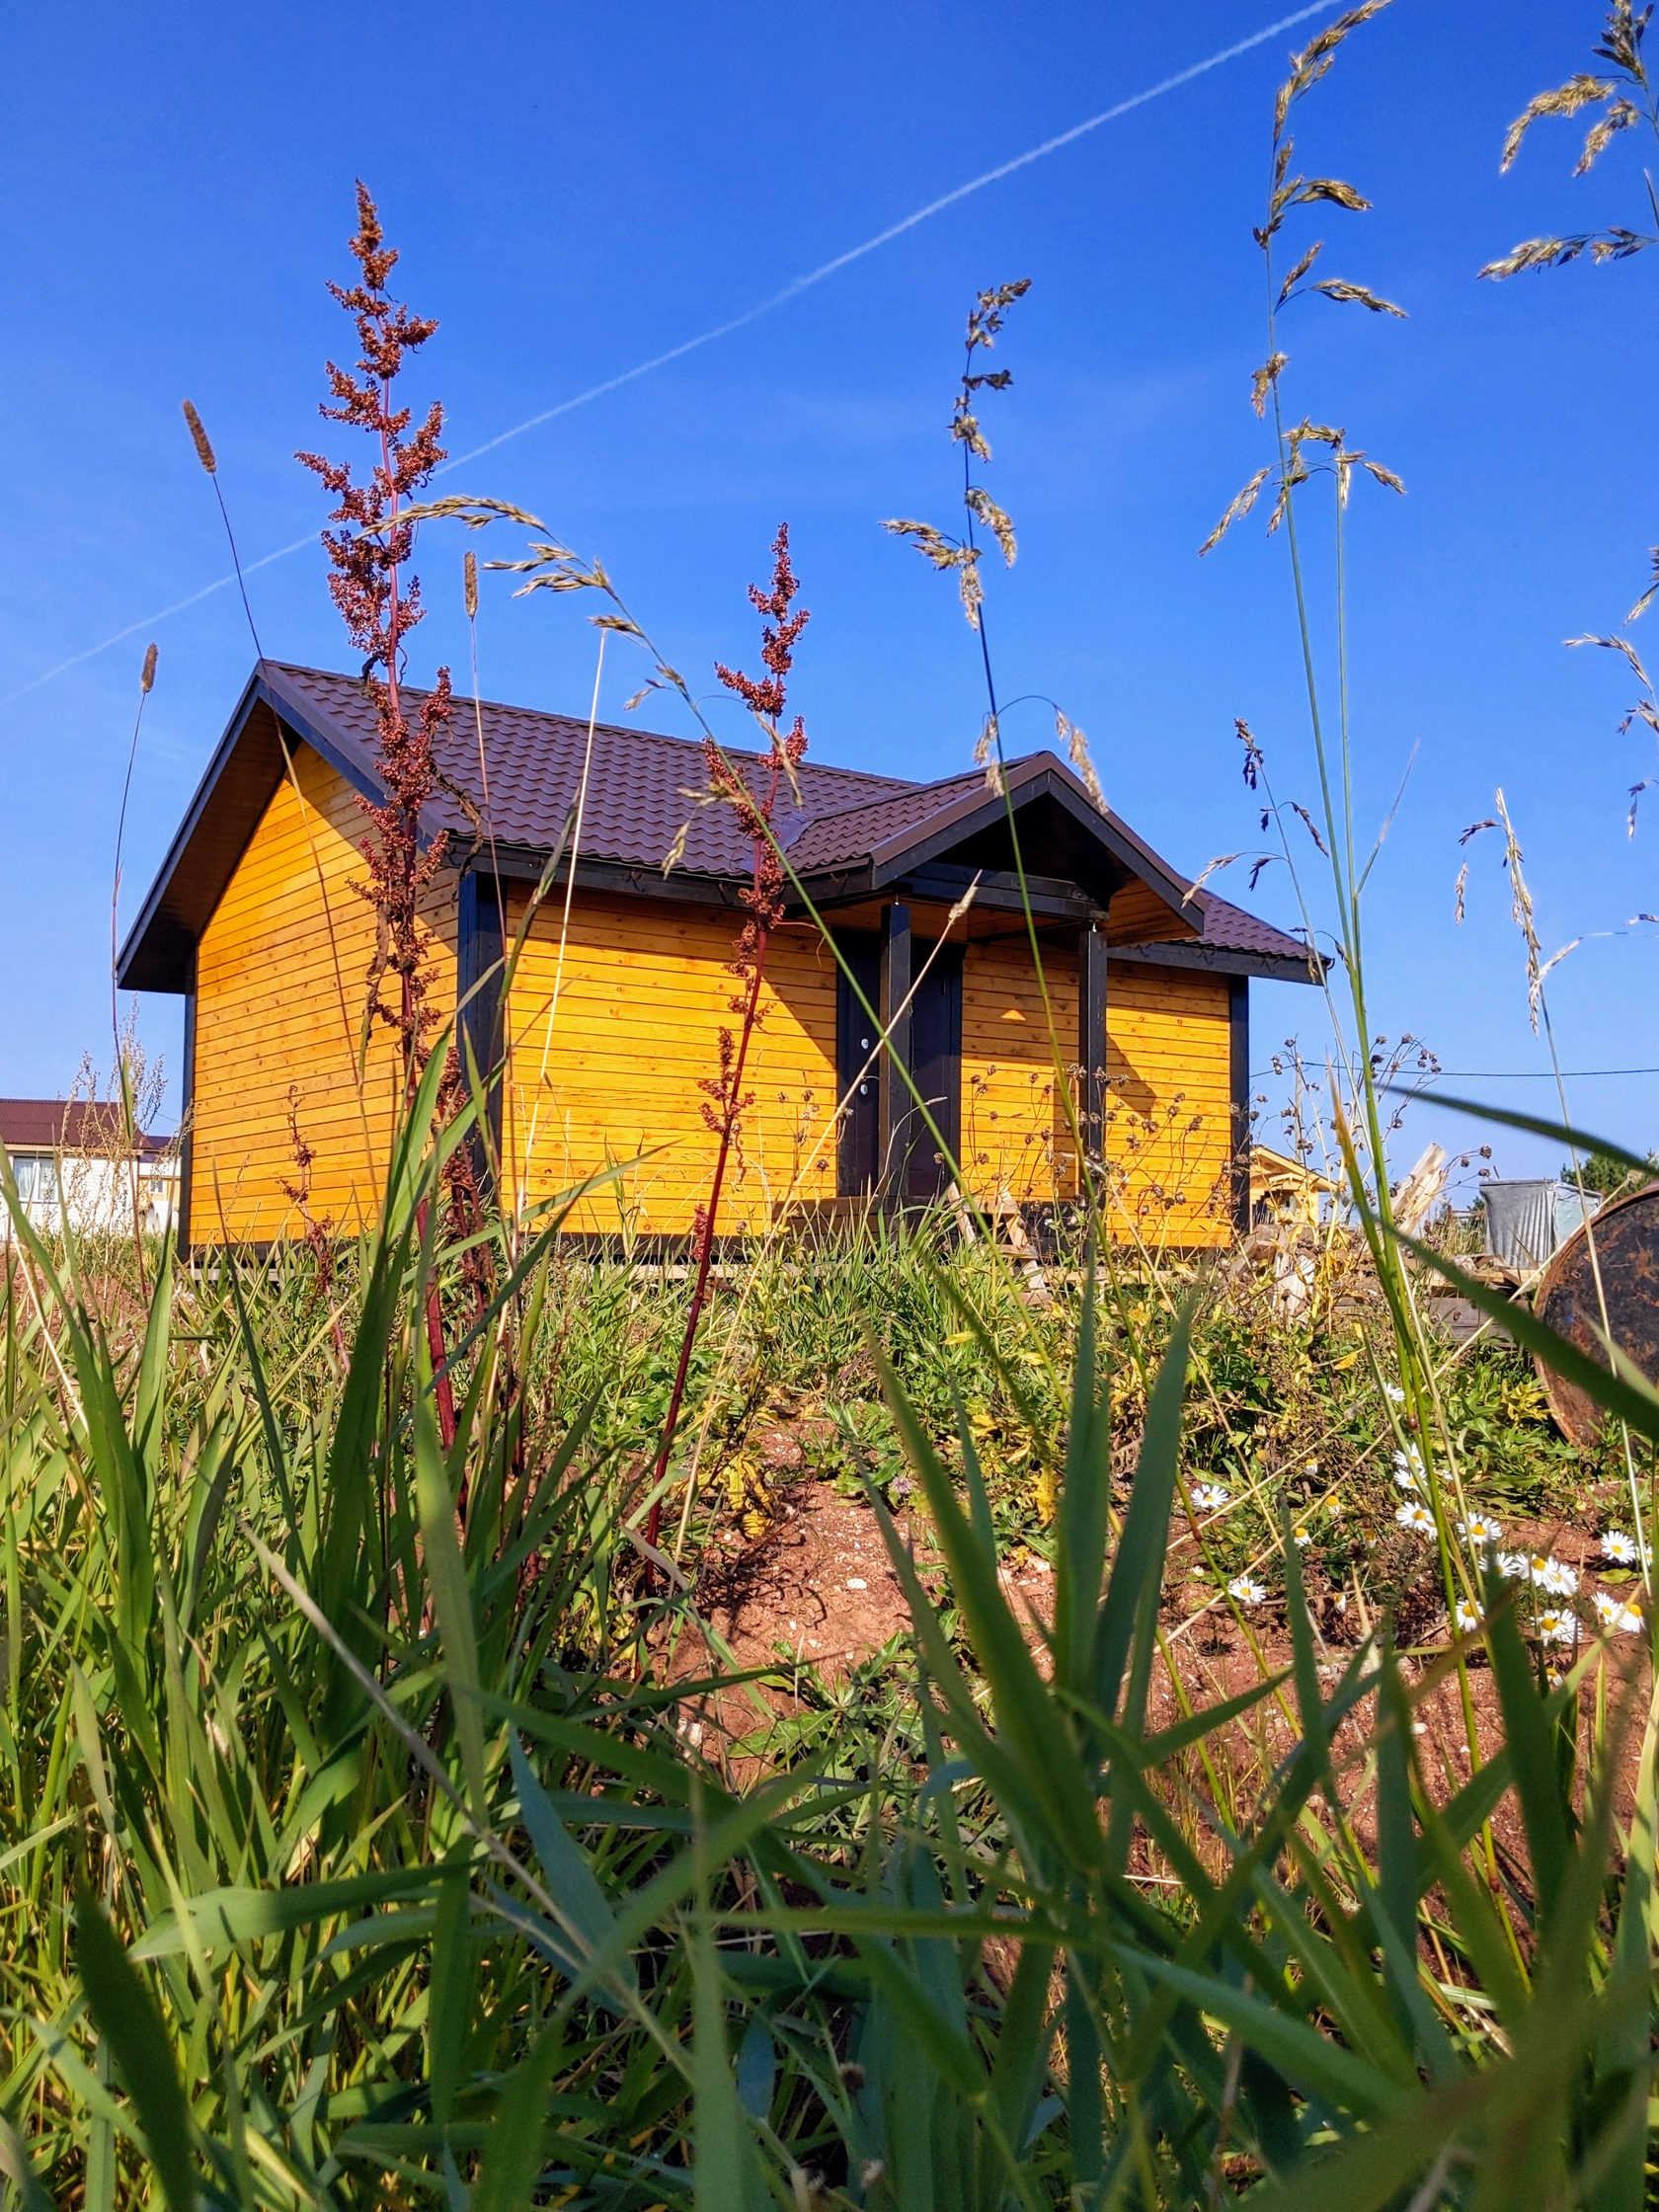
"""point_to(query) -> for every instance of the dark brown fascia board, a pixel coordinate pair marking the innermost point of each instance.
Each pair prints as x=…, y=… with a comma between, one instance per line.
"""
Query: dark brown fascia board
x=1042, y=775
x=303, y=719
x=1050, y=894
x=1050, y=898
x=529, y=864
x=187, y=829
x=263, y=688
x=1224, y=960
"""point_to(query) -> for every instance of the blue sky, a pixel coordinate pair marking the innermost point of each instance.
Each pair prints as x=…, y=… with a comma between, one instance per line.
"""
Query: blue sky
x=576, y=191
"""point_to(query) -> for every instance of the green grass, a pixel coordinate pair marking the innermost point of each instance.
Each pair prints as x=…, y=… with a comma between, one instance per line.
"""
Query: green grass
x=363, y=1845
x=378, y=1844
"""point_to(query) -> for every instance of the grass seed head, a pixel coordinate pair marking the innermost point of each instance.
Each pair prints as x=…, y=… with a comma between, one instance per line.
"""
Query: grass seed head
x=198, y=438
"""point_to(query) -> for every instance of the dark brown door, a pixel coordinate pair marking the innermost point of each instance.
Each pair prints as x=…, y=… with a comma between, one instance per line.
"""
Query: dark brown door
x=858, y=1163
x=936, y=1054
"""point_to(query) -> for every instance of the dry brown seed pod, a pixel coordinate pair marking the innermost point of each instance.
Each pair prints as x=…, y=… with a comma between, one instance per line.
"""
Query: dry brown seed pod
x=146, y=676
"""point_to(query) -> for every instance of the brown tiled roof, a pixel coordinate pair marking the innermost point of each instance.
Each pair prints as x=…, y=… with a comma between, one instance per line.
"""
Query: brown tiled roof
x=1231, y=929
x=640, y=785
x=853, y=832
x=642, y=788
x=68, y=1124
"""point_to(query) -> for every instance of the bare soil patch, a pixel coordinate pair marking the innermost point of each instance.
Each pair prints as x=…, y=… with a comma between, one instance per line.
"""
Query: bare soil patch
x=817, y=1591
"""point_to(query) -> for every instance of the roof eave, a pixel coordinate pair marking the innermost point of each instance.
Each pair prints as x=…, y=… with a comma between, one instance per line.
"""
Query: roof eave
x=303, y=718
x=133, y=948
x=1226, y=960
x=1041, y=775
x=147, y=964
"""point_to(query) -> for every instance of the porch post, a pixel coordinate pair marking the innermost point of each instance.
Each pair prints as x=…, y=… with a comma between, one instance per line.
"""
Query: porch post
x=893, y=1093
x=186, y=1117
x=1238, y=1025
x=478, y=993
x=1091, y=1054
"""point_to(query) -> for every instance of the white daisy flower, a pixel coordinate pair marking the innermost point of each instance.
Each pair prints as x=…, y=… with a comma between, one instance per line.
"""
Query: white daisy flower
x=1210, y=1497
x=1619, y=1547
x=1513, y=1567
x=1311, y=1466
x=1417, y=1518
x=1482, y=1529
x=1393, y=1392
x=1556, y=1577
x=1342, y=1603
x=1556, y=1628
x=1246, y=1589
x=1408, y=1468
x=1616, y=1618
x=1302, y=1539
x=1466, y=1618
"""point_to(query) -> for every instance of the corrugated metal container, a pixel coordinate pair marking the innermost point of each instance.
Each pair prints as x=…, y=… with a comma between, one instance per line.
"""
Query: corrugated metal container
x=1572, y=1210
x=1528, y=1222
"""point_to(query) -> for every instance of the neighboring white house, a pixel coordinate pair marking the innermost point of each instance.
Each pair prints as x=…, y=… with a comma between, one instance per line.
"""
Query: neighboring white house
x=72, y=1157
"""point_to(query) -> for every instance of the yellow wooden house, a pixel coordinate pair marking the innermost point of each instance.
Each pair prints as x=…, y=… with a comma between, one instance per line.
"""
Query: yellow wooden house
x=1140, y=1008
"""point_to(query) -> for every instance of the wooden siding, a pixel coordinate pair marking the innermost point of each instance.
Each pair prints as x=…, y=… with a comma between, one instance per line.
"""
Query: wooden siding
x=1169, y=1104
x=1015, y=1135
x=282, y=973
x=1136, y=915
x=643, y=994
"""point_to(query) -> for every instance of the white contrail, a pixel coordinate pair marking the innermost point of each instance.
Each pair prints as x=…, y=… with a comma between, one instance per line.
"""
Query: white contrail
x=791, y=290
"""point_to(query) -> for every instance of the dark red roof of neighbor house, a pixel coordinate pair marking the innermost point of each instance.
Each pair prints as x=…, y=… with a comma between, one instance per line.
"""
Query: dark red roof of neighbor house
x=641, y=791
x=68, y=1125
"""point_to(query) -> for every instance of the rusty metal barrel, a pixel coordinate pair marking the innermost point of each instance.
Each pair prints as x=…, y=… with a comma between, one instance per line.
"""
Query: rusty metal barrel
x=1572, y=1301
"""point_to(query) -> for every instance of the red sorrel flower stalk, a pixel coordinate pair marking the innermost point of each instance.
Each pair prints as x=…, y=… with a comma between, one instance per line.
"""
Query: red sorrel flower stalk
x=319, y=1228
x=367, y=555
x=754, y=803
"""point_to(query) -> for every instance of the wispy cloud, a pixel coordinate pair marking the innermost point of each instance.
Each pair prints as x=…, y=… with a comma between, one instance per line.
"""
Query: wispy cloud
x=768, y=306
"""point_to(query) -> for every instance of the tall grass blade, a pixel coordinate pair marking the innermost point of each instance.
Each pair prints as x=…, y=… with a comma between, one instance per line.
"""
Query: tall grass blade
x=127, y=2018
x=451, y=1592
x=1131, y=1600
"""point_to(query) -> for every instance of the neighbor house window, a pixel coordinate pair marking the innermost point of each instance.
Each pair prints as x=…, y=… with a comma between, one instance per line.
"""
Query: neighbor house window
x=36, y=1180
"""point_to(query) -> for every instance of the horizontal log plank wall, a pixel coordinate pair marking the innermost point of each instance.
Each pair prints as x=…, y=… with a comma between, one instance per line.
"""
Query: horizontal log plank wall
x=281, y=982
x=643, y=994
x=645, y=991
x=1015, y=1135
x=1168, y=1106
